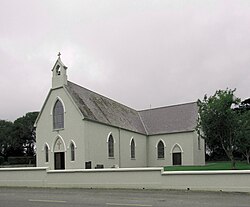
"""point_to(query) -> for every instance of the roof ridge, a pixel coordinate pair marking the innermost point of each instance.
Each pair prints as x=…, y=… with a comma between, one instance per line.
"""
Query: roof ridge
x=174, y=105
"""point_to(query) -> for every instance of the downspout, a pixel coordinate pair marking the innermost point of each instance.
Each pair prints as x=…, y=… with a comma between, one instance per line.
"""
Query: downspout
x=147, y=151
x=119, y=156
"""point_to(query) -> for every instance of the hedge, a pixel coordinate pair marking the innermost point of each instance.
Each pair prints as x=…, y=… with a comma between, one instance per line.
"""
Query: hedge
x=1, y=160
x=21, y=160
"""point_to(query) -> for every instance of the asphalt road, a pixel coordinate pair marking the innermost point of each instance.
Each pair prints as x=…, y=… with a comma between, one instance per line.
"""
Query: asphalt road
x=39, y=197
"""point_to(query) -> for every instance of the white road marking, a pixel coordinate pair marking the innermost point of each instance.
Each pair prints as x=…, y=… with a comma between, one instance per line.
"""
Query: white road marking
x=47, y=201
x=127, y=204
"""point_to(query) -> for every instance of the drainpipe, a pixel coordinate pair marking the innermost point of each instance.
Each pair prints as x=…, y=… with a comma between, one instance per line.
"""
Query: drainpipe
x=119, y=147
x=147, y=151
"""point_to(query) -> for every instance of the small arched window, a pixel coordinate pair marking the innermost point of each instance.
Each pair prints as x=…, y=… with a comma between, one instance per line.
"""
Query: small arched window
x=58, y=115
x=72, y=151
x=111, y=146
x=160, y=150
x=58, y=70
x=46, y=153
x=132, y=149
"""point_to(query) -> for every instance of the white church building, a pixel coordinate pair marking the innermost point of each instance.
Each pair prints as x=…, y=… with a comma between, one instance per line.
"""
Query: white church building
x=81, y=129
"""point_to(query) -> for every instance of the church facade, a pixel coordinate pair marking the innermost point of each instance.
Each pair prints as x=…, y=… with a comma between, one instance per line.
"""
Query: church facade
x=80, y=129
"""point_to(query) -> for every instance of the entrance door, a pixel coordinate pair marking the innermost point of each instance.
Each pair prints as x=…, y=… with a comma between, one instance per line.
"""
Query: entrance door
x=59, y=161
x=177, y=158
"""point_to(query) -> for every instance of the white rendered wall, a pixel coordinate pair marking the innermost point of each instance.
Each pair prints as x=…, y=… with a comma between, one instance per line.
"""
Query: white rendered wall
x=137, y=178
x=96, y=147
x=199, y=152
x=140, y=159
x=23, y=177
x=184, y=140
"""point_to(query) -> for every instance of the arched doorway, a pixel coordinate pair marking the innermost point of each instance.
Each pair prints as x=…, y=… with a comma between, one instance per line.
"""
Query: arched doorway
x=59, y=154
x=177, y=155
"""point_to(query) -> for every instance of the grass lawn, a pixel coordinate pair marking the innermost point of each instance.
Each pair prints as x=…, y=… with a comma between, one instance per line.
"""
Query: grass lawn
x=210, y=166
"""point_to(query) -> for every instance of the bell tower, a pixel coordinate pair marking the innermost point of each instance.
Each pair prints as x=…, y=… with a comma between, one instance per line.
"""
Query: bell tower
x=59, y=71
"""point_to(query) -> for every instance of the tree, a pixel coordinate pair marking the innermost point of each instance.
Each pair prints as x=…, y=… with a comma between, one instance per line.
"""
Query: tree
x=5, y=136
x=24, y=132
x=218, y=123
x=18, y=138
x=244, y=134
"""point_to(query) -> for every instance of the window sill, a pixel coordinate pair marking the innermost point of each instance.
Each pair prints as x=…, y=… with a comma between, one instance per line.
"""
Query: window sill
x=112, y=158
x=133, y=159
x=60, y=129
x=160, y=158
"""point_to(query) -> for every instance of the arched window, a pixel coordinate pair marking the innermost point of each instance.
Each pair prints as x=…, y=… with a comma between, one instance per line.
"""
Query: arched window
x=111, y=146
x=58, y=115
x=160, y=150
x=132, y=149
x=46, y=153
x=72, y=151
x=58, y=70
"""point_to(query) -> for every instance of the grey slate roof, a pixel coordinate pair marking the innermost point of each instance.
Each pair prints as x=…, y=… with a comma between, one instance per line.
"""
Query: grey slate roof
x=170, y=119
x=95, y=107
x=98, y=108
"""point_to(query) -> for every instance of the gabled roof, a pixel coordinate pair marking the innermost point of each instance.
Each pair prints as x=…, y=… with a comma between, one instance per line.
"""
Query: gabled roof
x=171, y=119
x=98, y=108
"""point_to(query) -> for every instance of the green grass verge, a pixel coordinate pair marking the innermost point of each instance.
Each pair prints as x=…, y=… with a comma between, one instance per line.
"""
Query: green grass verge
x=210, y=166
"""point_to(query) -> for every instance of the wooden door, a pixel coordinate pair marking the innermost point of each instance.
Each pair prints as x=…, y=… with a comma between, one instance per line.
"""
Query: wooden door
x=177, y=158
x=59, y=160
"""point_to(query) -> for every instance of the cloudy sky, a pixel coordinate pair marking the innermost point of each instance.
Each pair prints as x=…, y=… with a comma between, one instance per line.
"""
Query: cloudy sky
x=141, y=53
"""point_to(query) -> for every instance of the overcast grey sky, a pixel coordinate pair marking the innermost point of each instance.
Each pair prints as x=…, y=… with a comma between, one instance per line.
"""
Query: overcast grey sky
x=137, y=52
